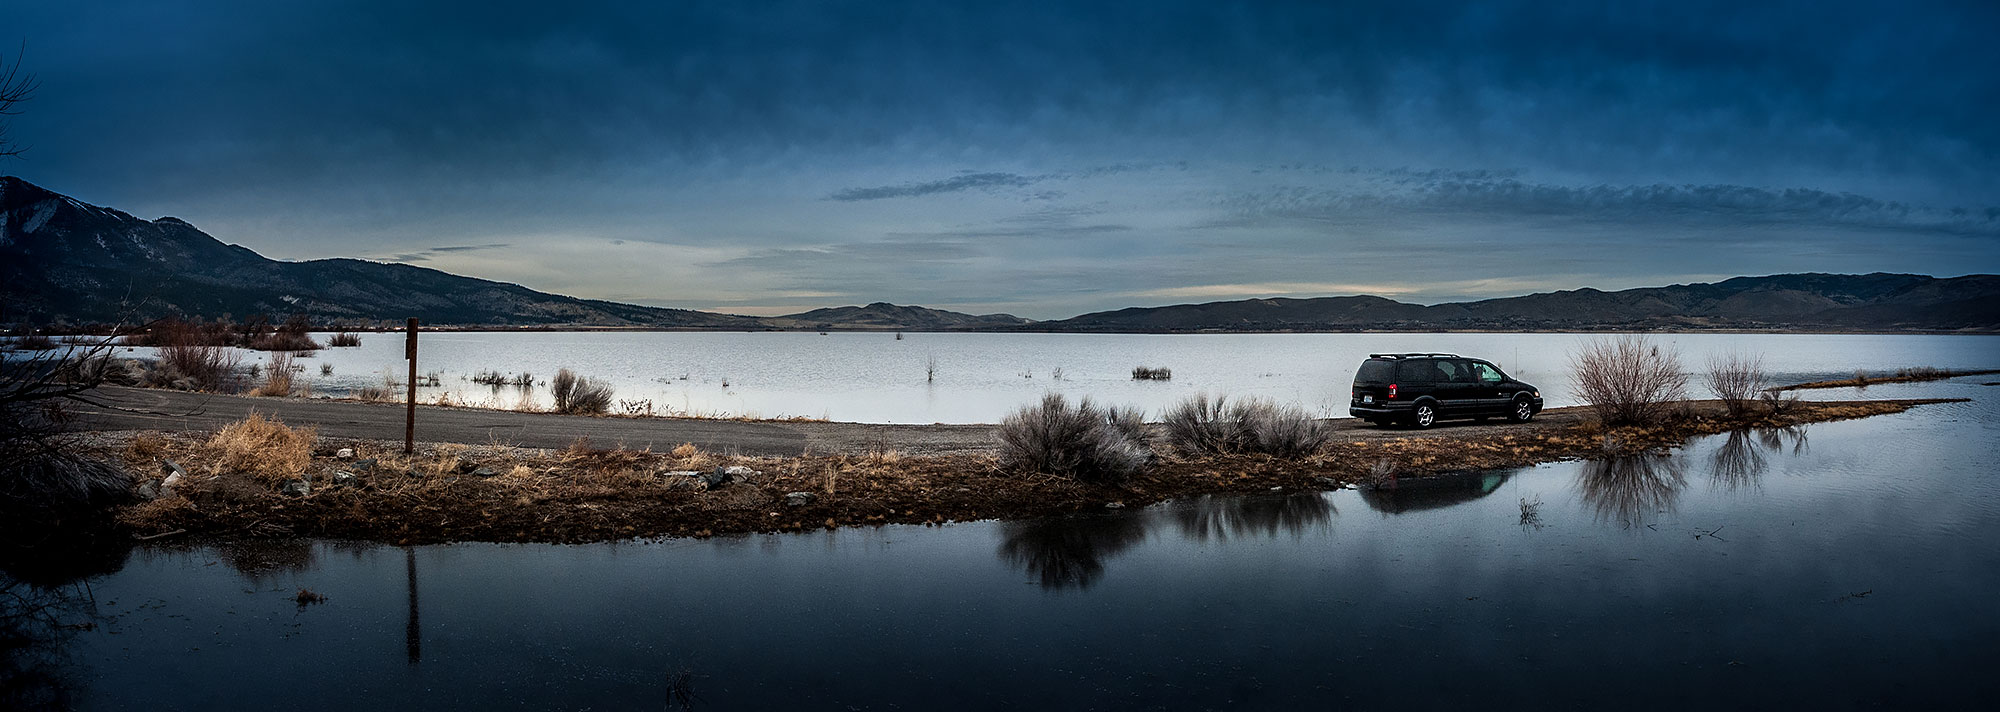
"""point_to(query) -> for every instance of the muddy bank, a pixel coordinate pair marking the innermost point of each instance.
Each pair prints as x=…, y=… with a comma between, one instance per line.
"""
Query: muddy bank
x=1908, y=375
x=581, y=494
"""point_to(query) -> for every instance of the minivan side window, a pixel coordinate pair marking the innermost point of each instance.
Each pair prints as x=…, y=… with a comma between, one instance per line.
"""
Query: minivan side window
x=1487, y=373
x=1450, y=371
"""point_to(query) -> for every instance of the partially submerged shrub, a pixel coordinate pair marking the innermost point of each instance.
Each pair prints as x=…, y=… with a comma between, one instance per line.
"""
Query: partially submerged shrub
x=344, y=338
x=1202, y=425
x=1076, y=440
x=1148, y=373
x=1628, y=379
x=1736, y=379
x=266, y=449
x=279, y=380
x=579, y=394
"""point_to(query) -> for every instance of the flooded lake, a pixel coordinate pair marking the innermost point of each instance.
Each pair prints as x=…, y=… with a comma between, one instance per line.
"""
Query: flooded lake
x=978, y=378
x=1844, y=565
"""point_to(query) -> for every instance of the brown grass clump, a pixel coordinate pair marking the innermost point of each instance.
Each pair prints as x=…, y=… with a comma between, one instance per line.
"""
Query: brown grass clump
x=146, y=445
x=266, y=449
x=685, y=450
x=344, y=339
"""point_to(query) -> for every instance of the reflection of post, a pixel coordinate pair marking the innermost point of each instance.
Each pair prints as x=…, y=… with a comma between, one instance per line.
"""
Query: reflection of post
x=413, y=636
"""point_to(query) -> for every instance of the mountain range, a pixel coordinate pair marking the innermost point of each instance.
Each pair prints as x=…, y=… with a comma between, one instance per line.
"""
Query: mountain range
x=66, y=261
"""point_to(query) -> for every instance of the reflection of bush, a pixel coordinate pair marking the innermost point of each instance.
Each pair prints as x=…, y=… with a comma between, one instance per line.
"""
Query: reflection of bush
x=1069, y=552
x=41, y=607
x=1220, y=517
x=1627, y=489
x=1737, y=463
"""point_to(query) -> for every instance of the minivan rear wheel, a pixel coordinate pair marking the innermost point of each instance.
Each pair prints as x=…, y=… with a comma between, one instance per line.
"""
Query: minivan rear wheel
x=1424, y=416
x=1522, y=411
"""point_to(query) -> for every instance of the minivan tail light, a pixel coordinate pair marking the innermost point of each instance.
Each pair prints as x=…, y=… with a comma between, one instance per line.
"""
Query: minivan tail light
x=1392, y=390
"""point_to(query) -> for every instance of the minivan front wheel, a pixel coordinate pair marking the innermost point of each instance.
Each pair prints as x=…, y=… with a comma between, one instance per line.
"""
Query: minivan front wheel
x=1522, y=412
x=1424, y=416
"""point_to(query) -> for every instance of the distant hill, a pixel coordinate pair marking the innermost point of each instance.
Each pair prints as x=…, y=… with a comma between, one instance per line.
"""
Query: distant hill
x=63, y=260
x=883, y=315
x=66, y=261
x=1870, y=302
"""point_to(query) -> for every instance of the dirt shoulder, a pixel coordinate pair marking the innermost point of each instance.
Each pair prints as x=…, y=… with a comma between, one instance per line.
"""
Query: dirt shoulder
x=578, y=494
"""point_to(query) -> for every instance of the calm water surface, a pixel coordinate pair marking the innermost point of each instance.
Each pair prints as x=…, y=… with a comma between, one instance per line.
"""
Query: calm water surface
x=875, y=378
x=1846, y=565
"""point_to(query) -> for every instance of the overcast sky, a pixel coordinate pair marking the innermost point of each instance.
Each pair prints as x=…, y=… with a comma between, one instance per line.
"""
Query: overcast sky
x=1043, y=159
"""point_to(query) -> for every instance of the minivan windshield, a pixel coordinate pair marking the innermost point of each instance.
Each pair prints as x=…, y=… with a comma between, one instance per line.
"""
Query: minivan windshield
x=1376, y=371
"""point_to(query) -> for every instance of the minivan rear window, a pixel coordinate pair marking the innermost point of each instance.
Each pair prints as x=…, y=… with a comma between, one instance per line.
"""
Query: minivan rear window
x=1376, y=371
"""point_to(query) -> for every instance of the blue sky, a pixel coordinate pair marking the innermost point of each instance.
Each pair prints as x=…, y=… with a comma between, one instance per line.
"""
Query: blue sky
x=1040, y=159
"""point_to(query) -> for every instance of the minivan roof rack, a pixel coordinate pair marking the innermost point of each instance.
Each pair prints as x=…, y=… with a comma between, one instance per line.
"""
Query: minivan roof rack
x=1413, y=355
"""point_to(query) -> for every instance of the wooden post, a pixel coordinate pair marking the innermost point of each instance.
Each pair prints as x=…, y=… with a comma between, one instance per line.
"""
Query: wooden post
x=410, y=407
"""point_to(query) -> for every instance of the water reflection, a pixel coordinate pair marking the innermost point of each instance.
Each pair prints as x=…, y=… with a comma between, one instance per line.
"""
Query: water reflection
x=1415, y=495
x=1219, y=517
x=1069, y=552
x=44, y=602
x=263, y=560
x=1739, y=463
x=1629, y=489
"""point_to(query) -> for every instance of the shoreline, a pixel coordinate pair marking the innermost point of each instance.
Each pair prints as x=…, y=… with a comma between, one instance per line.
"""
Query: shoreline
x=581, y=494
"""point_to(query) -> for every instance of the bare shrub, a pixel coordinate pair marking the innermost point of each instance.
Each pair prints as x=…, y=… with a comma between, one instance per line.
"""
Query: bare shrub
x=265, y=449
x=1628, y=379
x=1736, y=379
x=1778, y=402
x=45, y=474
x=579, y=394
x=344, y=339
x=278, y=382
x=1148, y=373
x=1280, y=430
x=1074, y=440
x=294, y=335
x=1202, y=425
x=189, y=362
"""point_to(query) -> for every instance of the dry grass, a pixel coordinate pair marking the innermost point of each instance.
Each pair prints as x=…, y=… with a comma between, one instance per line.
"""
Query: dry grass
x=1915, y=374
x=278, y=376
x=344, y=339
x=265, y=449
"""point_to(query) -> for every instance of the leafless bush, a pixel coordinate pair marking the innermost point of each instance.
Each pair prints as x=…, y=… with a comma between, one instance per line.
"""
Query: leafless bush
x=1203, y=425
x=188, y=361
x=1075, y=440
x=1628, y=379
x=278, y=382
x=579, y=394
x=1736, y=379
x=43, y=475
x=344, y=338
x=1778, y=402
x=1148, y=373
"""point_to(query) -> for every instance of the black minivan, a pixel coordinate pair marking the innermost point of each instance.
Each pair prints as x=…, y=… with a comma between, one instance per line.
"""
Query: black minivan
x=1421, y=389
